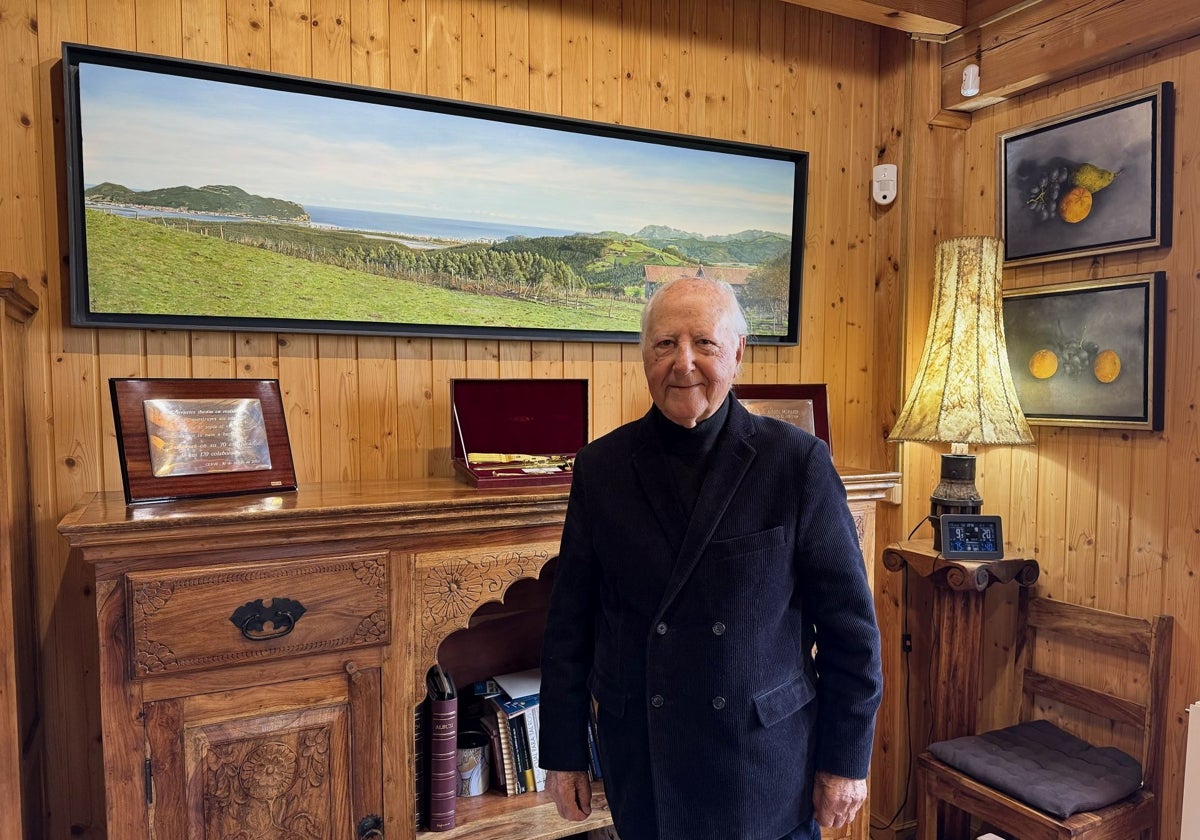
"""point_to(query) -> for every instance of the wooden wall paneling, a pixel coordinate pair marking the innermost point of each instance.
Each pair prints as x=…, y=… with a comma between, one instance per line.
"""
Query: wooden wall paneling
x=341, y=420
x=838, y=179
x=256, y=34
x=766, y=124
x=890, y=763
x=378, y=397
x=414, y=389
x=1114, y=465
x=931, y=204
x=634, y=67
x=577, y=364
x=665, y=51
x=857, y=434
x=65, y=444
x=1079, y=578
x=443, y=55
x=544, y=61
x=512, y=54
x=329, y=26
x=202, y=28
x=516, y=360
x=546, y=360
x=575, y=55
x=479, y=51
x=159, y=26
x=212, y=353
x=606, y=63
x=256, y=356
x=167, y=353
x=370, y=43
x=1181, y=424
x=483, y=359
x=807, y=99
x=449, y=362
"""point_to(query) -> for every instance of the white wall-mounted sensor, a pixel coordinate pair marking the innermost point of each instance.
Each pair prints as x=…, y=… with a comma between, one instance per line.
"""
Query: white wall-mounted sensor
x=970, y=80
x=883, y=183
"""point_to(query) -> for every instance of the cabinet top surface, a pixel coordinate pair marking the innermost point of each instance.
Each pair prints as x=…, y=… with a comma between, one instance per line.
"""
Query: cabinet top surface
x=105, y=516
x=108, y=510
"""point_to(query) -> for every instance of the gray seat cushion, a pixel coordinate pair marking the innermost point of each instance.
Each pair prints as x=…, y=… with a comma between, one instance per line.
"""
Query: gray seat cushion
x=1043, y=766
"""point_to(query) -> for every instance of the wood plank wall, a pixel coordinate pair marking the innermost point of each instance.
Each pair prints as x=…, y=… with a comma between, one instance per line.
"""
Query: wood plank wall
x=1111, y=516
x=760, y=71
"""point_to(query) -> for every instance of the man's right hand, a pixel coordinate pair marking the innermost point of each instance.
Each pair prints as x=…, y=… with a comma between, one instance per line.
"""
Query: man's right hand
x=572, y=792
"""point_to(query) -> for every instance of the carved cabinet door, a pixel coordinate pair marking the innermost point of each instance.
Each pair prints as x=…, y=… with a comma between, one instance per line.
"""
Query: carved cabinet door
x=299, y=759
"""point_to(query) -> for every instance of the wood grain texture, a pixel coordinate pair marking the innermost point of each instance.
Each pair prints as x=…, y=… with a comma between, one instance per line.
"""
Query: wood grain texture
x=1143, y=485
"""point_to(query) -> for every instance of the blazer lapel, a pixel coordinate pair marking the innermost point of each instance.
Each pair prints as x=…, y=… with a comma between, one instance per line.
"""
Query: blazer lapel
x=731, y=462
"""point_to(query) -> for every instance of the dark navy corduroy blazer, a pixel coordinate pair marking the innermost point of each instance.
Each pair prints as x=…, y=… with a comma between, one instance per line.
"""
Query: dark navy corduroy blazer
x=696, y=636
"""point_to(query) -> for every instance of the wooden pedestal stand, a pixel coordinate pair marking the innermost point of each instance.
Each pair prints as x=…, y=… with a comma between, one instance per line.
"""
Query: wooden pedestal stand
x=959, y=589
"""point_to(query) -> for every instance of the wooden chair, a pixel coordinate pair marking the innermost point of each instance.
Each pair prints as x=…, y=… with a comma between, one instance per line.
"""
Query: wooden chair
x=1128, y=662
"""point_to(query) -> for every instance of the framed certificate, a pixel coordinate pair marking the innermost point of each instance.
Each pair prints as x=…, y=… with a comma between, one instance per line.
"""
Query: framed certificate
x=184, y=438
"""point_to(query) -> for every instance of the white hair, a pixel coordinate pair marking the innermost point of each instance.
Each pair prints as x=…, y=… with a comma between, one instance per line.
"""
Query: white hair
x=734, y=316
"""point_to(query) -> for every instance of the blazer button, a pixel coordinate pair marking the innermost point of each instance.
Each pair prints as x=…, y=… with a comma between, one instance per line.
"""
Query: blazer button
x=661, y=629
x=656, y=701
x=718, y=628
x=718, y=702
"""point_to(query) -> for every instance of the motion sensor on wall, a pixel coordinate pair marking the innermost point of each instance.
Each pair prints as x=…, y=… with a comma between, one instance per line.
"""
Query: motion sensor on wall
x=883, y=183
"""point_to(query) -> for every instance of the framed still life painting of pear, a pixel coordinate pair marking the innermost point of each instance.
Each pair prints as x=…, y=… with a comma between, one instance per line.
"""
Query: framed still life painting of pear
x=1092, y=181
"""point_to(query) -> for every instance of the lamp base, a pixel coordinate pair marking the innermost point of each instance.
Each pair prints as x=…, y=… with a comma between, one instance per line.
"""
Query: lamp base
x=955, y=494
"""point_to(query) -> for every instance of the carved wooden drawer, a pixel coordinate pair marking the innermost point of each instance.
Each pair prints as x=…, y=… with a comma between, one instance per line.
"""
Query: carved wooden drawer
x=207, y=617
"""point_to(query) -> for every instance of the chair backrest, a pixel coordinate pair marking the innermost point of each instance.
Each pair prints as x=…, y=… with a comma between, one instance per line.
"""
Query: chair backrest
x=1101, y=675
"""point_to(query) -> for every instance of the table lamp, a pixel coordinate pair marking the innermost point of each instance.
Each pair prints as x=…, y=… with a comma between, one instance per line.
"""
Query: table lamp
x=963, y=392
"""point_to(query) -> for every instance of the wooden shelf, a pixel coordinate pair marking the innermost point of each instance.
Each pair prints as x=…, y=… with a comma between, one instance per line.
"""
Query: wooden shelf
x=529, y=816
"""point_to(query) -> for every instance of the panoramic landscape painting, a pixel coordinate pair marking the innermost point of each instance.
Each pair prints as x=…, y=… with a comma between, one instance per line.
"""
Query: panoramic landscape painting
x=222, y=198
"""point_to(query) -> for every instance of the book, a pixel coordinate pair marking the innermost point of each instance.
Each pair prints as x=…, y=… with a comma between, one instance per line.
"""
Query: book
x=520, y=684
x=490, y=725
x=421, y=763
x=533, y=728
x=525, y=780
x=443, y=749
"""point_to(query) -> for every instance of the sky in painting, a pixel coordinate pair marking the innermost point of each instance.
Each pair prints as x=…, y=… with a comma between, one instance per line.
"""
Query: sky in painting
x=148, y=130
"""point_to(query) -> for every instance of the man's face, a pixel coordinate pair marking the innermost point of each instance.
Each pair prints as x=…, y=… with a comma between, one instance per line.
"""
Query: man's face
x=691, y=352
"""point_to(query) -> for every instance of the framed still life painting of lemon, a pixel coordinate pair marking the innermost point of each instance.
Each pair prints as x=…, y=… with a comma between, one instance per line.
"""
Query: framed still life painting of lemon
x=1092, y=181
x=1089, y=353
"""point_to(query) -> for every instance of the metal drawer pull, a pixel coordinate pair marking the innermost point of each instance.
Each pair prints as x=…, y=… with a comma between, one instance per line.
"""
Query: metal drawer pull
x=370, y=826
x=282, y=615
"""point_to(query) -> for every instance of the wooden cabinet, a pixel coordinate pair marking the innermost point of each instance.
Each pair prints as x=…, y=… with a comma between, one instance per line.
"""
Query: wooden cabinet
x=304, y=718
x=19, y=715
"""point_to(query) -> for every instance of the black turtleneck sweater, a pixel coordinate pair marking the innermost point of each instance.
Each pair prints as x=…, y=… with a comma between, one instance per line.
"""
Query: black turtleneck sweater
x=689, y=452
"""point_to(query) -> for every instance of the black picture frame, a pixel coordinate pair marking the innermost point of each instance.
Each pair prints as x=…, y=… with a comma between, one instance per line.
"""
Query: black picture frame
x=204, y=196
x=1093, y=181
x=192, y=438
x=1089, y=353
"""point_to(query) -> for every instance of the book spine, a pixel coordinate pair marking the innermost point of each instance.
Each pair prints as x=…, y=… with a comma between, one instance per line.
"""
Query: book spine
x=488, y=722
x=521, y=755
x=533, y=728
x=420, y=764
x=443, y=768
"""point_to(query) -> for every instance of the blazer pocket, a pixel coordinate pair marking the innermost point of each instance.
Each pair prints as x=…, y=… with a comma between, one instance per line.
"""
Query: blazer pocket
x=782, y=701
x=747, y=543
x=610, y=699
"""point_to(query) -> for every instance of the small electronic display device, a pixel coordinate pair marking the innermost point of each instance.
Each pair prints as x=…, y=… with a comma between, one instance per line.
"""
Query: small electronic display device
x=971, y=537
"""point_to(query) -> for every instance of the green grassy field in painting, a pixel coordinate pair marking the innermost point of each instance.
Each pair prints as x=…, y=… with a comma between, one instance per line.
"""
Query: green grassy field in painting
x=139, y=267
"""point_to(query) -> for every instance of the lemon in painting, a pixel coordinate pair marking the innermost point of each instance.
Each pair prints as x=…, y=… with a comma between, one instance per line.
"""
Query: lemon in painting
x=1075, y=205
x=1107, y=366
x=1043, y=364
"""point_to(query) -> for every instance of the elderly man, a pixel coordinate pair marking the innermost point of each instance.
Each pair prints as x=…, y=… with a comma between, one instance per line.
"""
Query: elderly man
x=711, y=597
